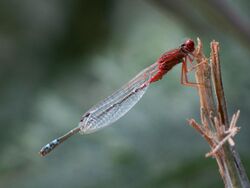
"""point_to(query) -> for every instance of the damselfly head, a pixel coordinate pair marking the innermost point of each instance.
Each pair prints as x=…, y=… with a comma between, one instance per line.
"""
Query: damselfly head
x=188, y=46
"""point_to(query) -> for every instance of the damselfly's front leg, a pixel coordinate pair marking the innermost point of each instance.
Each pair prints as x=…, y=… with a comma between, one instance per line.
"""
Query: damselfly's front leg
x=184, y=77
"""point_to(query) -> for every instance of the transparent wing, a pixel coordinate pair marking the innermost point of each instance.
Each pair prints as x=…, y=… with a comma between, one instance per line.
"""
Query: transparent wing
x=118, y=104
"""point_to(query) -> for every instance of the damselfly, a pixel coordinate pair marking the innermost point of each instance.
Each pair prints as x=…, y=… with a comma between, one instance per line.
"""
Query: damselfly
x=120, y=102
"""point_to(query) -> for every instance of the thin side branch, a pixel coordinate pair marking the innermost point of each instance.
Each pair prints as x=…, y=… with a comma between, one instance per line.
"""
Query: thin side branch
x=231, y=132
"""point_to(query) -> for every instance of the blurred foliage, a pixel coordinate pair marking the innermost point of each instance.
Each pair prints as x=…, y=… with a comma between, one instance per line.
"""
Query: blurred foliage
x=60, y=57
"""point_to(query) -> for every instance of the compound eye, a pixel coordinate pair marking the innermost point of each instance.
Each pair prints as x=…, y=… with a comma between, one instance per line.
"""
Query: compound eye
x=189, y=45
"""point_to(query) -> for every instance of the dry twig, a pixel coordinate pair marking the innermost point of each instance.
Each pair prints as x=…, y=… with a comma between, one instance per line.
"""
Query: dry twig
x=215, y=127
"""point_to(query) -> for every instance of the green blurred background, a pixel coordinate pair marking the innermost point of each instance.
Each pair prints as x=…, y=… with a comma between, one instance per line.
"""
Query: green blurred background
x=58, y=58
